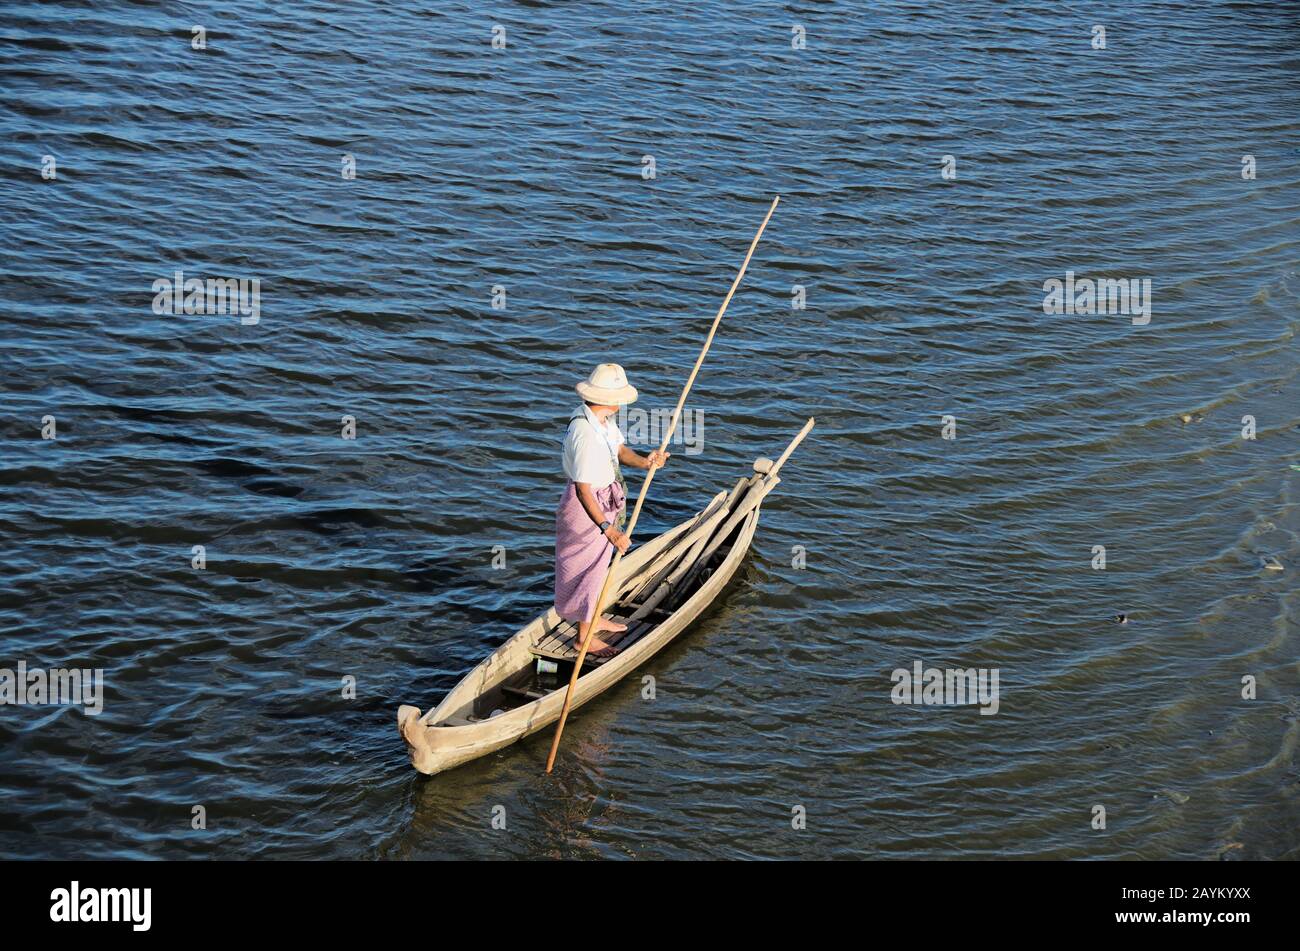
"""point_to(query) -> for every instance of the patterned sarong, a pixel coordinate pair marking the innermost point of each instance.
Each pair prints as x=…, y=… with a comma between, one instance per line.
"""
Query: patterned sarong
x=581, y=552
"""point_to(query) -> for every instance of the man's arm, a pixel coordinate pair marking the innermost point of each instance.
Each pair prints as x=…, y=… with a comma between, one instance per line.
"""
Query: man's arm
x=629, y=458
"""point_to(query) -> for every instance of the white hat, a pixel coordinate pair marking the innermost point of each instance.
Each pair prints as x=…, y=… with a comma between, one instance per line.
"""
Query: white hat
x=607, y=386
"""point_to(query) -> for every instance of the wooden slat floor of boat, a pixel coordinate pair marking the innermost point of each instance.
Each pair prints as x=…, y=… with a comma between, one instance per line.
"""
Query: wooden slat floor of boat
x=558, y=642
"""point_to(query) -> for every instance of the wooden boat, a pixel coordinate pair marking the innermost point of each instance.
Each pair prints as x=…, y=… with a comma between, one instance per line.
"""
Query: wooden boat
x=661, y=587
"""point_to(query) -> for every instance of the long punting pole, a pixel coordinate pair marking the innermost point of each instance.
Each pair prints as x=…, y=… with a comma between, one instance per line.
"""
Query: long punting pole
x=645, y=484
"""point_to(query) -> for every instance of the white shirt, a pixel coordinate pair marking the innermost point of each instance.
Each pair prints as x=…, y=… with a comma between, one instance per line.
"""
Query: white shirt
x=591, y=449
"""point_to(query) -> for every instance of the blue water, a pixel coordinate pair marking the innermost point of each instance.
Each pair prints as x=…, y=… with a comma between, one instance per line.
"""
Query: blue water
x=523, y=168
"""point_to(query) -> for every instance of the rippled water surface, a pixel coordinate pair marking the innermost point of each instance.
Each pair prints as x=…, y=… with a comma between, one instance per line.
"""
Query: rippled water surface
x=523, y=167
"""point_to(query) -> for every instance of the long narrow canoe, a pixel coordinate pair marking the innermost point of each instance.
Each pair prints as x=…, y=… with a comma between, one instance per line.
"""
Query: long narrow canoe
x=662, y=587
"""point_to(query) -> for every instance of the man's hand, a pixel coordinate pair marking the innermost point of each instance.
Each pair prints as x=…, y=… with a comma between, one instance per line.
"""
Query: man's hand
x=618, y=539
x=657, y=458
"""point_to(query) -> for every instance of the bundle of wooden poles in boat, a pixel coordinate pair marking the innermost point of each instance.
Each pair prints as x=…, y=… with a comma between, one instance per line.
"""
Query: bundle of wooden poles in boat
x=670, y=577
x=675, y=574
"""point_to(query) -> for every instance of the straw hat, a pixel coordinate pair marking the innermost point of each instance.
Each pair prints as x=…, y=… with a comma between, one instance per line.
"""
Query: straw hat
x=607, y=386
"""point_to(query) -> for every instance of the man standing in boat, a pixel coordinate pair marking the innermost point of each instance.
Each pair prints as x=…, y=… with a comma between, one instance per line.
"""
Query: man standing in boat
x=589, y=520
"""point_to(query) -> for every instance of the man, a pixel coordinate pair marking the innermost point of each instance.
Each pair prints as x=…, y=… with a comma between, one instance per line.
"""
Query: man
x=591, y=513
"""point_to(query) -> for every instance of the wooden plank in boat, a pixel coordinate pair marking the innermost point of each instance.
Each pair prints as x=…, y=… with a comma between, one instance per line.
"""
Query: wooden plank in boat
x=563, y=648
x=522, y=693
x=556, y=637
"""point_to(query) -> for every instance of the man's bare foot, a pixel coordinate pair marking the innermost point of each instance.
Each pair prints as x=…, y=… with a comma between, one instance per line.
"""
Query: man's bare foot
x=598, y=646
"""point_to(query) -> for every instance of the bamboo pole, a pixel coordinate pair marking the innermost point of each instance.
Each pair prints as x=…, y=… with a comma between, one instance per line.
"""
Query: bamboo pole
x=645, y=484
